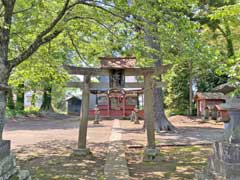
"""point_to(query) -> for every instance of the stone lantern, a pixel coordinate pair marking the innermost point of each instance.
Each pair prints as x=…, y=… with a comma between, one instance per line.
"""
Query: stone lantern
x=232, y=132
x=225, y=161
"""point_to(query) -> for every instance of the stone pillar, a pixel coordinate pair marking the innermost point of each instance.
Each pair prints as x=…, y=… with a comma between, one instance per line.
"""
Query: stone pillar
x=206, y=114
x=225, y=161
x=132, y=116
x=150, y=151
x=82, y=138
x=234, y=126
x=136, y=120
x=97, y=115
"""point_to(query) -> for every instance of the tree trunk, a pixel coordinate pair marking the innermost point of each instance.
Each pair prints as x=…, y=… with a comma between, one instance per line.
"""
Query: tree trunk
x=34, y=99
x=228, y=37
x=4, y=75
x=20, y=98
x=190, y=89
x=47, y=100
x=10, y=101
x=161, y=122
x=3, y=97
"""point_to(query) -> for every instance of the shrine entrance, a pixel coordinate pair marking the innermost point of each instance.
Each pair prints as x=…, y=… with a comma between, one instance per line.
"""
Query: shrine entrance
x=117, y=101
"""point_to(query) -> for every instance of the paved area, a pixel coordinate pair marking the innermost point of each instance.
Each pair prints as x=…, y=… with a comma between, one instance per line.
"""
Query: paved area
x=116, y=164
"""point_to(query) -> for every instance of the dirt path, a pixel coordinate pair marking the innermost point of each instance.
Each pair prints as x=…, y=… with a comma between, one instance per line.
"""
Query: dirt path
x=32, y=131
x=27, y=131
x=44, y=146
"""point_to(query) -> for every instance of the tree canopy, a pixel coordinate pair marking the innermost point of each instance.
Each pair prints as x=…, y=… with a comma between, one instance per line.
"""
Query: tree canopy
x=200, y=39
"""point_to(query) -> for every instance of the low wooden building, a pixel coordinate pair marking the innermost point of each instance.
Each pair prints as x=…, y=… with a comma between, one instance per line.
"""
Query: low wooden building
x=73, y=105
x=208, y=99
x=221, y=113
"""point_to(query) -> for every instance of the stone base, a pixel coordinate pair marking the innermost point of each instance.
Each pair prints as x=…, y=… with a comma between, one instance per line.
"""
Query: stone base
x=95, y=122
x=9, y=170
x=81, y=152
x=224, y=164
x=136, y=122
x=4, y=149
x=151, y=155
x=226, y=152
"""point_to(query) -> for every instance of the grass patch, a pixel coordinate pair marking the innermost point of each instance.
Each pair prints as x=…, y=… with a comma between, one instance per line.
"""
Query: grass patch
x=178, y=163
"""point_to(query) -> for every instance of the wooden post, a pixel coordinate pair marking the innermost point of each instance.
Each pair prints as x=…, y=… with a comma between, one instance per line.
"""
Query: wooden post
x=150, y=151
x=148, y=110
x=108, y=110
x=124, y=105
x=82, y=138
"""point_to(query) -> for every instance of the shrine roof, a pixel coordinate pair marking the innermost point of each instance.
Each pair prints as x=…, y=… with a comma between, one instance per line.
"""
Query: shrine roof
x=117, y=62
x=224, y=88
x=210, y=95
x=73, y=97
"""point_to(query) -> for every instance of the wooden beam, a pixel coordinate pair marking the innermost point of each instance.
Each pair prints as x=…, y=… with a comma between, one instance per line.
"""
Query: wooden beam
x=127, y=71
x=147, y=70
x=4, y=87
x=95, y=85
x=86, y=71
x=134, y=85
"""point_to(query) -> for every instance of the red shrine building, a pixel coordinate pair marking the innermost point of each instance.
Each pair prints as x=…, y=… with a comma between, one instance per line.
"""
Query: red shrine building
x=117, y=101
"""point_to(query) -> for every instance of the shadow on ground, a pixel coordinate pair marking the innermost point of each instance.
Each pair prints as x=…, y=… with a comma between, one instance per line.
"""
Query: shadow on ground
x=54, y=160
x=176, y=163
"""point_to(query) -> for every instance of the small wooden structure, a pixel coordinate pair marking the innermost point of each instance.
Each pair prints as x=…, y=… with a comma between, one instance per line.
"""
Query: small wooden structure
x=203, y=100
x=73, y=105
x=116, y=69
x=221, y=113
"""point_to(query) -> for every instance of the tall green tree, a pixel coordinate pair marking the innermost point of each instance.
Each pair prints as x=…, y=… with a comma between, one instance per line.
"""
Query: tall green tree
x=27, y=25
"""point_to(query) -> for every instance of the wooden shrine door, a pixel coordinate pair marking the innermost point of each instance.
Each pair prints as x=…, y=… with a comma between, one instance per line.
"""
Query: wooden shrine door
x=116, y=104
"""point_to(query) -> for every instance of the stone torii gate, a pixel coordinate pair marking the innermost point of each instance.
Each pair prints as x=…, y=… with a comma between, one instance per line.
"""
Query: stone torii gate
x=117, y=69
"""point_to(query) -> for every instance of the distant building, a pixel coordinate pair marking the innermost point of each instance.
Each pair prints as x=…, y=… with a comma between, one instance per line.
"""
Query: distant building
x=207, y=100
x=73, y=105
x=28, y=99
x=225, y=88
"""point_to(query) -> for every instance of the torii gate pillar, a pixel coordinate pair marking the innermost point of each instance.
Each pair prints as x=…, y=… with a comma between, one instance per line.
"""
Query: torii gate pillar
x=150, y=152
x=82, y=138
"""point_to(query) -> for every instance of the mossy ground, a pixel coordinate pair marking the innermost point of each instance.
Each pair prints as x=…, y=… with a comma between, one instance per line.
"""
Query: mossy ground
x=177, y=163
x=54, y=160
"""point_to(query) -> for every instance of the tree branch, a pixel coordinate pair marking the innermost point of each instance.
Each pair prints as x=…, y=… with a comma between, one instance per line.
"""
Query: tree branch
x=40, y=39
x=109, y=12
x=221, y=30
x=24, y=10
x=95, y=20
x=32, y=48
x=76, y=49
x=55, y=21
